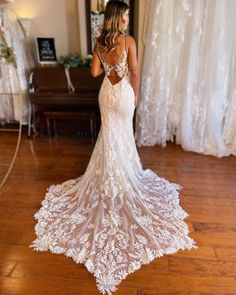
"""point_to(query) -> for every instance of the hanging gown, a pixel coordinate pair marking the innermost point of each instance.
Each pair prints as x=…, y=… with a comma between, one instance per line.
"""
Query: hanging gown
x=116, y=216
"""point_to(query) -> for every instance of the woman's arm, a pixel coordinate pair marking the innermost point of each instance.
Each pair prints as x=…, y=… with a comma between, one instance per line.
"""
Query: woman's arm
x=133, y=66
x=96, y=66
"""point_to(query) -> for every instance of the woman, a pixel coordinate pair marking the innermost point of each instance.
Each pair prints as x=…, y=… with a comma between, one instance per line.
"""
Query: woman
x=116, y=216
x=115, y=46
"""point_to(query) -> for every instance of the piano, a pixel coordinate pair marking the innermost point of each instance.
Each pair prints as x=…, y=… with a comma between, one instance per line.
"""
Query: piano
x=49, y=94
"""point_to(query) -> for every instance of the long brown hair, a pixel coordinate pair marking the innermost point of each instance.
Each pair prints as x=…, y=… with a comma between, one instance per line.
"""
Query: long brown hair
x=113, y=13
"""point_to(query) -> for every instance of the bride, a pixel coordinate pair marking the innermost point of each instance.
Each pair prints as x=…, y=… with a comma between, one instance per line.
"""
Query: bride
x=116, y=216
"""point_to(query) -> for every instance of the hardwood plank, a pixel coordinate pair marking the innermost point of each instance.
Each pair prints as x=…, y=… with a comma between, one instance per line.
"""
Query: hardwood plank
x=198, y=267
x=211, y=293
x=47, y=269
x=24, y=253
x=7, y=266
x=147, y=291
x=215, y=239
x=226, y=253
x=213, y=227
x=37, y=286
x=173, y=282
x=202, y=252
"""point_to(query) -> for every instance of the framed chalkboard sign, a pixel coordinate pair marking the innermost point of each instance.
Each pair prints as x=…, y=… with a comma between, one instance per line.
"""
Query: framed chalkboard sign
x=46, y=50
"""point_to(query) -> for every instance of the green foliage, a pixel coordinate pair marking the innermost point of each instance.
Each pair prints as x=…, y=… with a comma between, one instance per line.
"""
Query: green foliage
x=74, y=60
x=7, y=54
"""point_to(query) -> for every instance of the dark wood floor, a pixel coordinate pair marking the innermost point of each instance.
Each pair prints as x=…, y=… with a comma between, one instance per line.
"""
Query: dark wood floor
x=209, y=196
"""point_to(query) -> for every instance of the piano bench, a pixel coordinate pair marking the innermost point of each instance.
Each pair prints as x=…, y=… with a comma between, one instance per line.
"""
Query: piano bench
x=78, y=115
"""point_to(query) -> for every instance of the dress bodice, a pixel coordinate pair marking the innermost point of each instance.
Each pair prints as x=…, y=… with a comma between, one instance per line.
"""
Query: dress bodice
x=120, y=67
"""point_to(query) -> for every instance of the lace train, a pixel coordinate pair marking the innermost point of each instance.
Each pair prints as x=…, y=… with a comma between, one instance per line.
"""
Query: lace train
x=116, y=216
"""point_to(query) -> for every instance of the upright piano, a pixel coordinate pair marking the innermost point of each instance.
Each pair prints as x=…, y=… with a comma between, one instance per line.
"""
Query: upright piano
x=49, y=92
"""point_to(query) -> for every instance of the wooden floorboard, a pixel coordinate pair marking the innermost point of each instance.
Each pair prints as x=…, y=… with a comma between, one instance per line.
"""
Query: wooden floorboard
x=208, y=195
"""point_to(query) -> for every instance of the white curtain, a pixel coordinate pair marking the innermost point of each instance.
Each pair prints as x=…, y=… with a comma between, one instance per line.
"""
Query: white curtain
x=9, y=88
x=188, y=80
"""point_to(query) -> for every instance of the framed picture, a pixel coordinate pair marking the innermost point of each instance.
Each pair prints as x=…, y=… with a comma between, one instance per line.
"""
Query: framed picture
x=46, y=51
x=95, y=15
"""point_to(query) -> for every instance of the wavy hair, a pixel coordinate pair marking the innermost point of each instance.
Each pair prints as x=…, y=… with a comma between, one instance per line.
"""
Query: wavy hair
x=113, y=13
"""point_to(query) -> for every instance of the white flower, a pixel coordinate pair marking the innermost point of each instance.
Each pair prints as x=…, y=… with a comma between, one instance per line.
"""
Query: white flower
x=133, y=226
x=147, y=255
x=115, y=218
x=77, y=217
x=134, y=265
x=142, y=239
x=57, y=249
x=84, y=238
x=90, y=265
x=91, y=225
x=71, y=252
x=145, y=220
x=81, y=255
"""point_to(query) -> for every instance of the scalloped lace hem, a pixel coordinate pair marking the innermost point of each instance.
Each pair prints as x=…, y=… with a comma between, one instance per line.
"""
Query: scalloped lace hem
x=108, y=289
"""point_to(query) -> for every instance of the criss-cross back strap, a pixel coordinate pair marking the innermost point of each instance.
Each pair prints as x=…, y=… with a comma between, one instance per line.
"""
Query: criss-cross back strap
x=103, y=58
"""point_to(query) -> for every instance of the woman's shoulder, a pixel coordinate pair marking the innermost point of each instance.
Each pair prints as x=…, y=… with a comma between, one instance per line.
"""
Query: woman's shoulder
x=130, y=40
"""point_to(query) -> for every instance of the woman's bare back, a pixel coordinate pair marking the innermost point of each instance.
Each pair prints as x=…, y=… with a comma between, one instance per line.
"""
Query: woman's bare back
x=115, y=61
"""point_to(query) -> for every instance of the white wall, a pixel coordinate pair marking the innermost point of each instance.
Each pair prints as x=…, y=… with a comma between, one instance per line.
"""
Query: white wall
x=65, y=20
x=48, y=20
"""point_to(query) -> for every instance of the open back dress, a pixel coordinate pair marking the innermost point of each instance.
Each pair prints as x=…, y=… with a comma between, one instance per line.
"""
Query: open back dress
x=117, y=215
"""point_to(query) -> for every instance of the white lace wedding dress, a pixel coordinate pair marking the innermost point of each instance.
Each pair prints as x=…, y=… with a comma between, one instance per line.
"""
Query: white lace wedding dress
x=116, y=216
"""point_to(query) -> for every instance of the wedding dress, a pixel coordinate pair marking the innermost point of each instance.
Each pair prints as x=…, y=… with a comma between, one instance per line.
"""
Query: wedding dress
x=116, y=216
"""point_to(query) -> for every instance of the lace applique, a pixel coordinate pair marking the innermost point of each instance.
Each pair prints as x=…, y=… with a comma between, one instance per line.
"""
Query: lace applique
x=116, y=216
x=120, y=67
x=129, y=230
